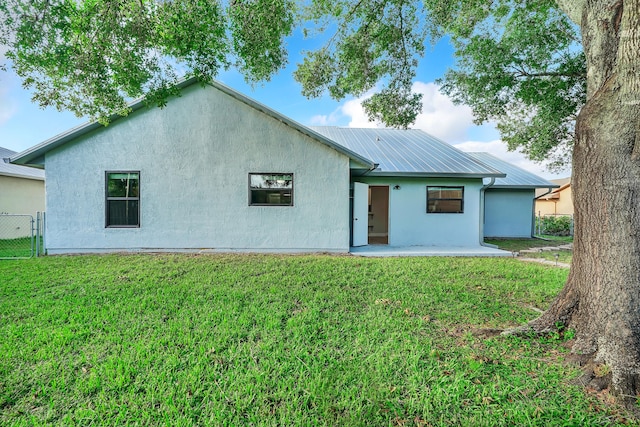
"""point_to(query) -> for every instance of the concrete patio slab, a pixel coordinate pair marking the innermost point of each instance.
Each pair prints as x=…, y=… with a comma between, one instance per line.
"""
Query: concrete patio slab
x=397, y=251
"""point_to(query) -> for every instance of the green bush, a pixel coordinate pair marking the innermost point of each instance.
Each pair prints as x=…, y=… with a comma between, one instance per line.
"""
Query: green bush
x=556, y=225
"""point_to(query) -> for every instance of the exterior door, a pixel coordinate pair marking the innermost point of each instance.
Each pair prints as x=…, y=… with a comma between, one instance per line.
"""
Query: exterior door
x=360, y=214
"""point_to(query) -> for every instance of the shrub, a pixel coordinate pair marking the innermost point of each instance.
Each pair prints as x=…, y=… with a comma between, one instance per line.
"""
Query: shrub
x=557, y=225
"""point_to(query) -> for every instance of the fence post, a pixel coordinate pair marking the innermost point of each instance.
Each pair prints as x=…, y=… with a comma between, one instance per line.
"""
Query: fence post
x=44, y=233
x=37, y=234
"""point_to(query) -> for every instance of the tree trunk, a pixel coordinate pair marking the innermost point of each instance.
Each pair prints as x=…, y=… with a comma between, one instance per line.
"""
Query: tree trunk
x=601, y=299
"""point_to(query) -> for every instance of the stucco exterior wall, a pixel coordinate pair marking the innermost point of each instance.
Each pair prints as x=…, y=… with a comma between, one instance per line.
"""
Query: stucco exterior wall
x=194, y=157
x=411, y=225
x=21, y=195
x=508, y=213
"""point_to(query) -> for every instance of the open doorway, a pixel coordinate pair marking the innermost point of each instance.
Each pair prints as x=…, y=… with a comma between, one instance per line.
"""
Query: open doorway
x=378, y=215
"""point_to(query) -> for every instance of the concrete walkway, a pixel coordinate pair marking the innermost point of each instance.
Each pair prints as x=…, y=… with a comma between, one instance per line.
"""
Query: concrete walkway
x=567, y=247
x=397, y=251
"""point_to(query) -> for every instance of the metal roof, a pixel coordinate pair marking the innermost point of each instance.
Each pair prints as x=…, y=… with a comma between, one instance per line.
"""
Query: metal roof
x=34, y=156
x=7, y=169
x=516, y=177
x=410, y=152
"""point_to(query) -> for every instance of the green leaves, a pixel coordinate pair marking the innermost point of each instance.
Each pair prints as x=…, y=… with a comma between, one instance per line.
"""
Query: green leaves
x=373, y=43
x=518, y=62
x=524, y=70
x=92, y=57
x=258, y=28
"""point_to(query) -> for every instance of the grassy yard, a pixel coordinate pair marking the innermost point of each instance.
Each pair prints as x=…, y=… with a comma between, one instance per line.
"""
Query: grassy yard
x=516, y=245
x=231, y=340
x=15, y=248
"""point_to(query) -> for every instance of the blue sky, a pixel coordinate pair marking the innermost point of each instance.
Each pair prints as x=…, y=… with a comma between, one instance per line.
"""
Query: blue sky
x=23, y=124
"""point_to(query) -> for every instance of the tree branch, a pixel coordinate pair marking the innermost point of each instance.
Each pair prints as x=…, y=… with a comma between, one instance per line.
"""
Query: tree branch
x=522, y=73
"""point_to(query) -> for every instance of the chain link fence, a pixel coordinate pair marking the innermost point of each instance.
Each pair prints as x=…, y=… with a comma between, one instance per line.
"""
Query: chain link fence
x=21, y=236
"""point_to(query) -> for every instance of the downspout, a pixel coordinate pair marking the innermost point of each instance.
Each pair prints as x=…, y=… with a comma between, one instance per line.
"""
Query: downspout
x=550, y=190
x=482, y=190
x=533, y=209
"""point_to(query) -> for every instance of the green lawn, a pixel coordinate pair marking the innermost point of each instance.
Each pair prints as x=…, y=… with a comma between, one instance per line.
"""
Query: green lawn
x=15, y=248
x=232, y=340
x=516, y=245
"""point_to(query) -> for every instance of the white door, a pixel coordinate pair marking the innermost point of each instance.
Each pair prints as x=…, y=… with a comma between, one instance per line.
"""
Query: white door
x=360, y=214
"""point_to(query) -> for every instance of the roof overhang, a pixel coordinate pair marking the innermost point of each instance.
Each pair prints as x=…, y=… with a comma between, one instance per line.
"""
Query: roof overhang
x=35, y=156
x=434, y=174
x=523, y=187
x=17, y=175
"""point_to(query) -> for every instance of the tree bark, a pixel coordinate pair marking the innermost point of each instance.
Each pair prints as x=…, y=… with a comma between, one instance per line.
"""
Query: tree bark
x=601, y=299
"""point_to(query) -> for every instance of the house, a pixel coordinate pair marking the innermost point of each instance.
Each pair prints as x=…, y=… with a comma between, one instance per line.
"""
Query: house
x=21, y=188
x=509, y=202
x=557, y=202
x=215, y=170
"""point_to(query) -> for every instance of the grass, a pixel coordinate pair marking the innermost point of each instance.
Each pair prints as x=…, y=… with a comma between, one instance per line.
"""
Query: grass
x=517, y=245
x=15, y=248
x=218, y=340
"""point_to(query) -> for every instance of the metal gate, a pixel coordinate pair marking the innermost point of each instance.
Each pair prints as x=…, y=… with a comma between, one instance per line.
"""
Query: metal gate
x=21, y=236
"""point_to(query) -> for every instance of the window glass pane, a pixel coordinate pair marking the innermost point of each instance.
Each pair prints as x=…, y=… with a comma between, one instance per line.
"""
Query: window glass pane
x=445, y=199
x=122, y=185
x=270, y=197
x=122, y=212
x=445, y=193
x=444, y=206
x=282, y=181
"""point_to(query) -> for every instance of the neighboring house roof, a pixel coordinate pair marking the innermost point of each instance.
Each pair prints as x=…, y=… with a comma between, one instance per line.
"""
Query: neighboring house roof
x=7, y=169
x=410, y=152
x=561, y=184
x=516, y=177
x=35, y=156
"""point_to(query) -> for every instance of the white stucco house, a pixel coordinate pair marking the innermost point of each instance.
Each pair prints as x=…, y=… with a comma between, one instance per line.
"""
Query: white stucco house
x=215, y=170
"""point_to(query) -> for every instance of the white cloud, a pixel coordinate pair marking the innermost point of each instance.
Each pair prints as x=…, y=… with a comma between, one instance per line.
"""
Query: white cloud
x=325, y=119
x=359, y=119
x=499, y=149
x=440, y=117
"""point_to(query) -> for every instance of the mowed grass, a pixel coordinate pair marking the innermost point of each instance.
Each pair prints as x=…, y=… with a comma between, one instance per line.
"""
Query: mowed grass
x=16, y=248
x=232, y=340
x=516, y=245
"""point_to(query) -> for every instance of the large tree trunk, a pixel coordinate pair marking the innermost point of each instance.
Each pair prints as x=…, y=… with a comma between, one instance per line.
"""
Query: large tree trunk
x=601, y=300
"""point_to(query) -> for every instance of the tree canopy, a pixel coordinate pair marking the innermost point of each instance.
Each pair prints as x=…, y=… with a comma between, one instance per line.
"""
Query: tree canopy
x=518, y=63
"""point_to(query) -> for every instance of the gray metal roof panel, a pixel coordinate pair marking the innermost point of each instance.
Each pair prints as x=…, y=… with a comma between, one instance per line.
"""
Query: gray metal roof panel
x=7, y=169
x=516, y=176
x=408, y=152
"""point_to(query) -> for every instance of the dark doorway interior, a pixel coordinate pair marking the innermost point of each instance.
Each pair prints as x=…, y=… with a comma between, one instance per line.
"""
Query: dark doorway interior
x=378, y=215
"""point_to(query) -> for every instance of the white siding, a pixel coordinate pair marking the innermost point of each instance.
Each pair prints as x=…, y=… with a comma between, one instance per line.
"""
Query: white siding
x=194, y=157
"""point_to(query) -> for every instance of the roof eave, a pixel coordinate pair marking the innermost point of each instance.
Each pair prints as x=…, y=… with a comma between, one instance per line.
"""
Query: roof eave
x=17, y=175
x=35, y=156
x=436, y=174
x=522, y=187
x=368, y=163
